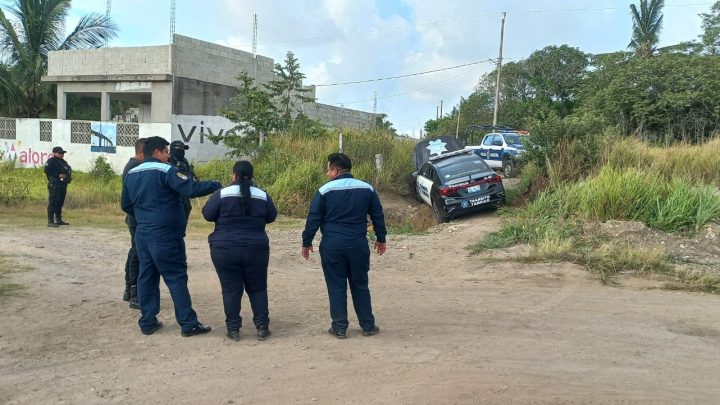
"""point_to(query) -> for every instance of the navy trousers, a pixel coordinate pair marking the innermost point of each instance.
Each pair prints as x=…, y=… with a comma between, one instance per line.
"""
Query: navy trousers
x=166, y=259
x=132, y=263
x=342, y=267
x=243, y=268
x=56, y=200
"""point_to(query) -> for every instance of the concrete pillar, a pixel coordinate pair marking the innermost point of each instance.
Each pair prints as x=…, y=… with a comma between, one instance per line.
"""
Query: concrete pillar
x=61, y=112
x=145, y=113
x=105, y=106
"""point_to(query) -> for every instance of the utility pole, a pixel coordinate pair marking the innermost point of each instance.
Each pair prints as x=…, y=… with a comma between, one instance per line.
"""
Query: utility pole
x=108, y=7
x=375, y=102
x=441, y=108
x=254, y=45
x=499, y=68
x=437, y=112
x=457, y=127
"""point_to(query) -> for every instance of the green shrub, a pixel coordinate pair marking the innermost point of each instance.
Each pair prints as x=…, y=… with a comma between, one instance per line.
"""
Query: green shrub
x=101, y=169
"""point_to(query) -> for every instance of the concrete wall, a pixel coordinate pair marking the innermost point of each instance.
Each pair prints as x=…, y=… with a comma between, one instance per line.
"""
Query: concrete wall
x=196, y=97
x=27, y=150
x=200, y=60
x=144, y=60
x=337, y=117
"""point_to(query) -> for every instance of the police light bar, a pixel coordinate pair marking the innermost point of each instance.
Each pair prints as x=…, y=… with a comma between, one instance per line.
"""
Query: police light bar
x=448, y=154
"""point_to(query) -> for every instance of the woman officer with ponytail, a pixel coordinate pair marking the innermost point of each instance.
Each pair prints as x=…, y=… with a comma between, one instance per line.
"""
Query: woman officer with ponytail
x=240, y=248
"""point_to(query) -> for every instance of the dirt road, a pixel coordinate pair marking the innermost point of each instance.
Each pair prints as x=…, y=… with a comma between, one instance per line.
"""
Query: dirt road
x=455, y=329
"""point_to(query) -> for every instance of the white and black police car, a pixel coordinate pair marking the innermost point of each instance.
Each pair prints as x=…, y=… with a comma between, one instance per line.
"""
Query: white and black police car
x=502, y=149
x=454, y=181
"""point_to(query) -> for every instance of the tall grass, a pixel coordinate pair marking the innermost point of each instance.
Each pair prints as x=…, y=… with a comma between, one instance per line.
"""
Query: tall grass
x=699, y=163
x=668, y=205
x=291, y=167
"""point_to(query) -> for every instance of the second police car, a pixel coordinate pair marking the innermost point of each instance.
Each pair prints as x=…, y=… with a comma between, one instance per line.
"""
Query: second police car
x=502, y=150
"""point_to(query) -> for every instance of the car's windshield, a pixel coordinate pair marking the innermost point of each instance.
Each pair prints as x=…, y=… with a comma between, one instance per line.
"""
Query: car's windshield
x=465, y=167
x=513, y=139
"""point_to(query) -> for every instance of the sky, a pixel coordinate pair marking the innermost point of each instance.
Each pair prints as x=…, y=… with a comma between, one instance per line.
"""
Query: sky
x=338, y=41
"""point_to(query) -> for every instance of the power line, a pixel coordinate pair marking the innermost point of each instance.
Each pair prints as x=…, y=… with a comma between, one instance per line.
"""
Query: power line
x=407, y=75
x=410, y=91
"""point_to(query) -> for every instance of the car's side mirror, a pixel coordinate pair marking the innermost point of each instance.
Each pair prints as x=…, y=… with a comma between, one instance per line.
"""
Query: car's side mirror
x=497, y=143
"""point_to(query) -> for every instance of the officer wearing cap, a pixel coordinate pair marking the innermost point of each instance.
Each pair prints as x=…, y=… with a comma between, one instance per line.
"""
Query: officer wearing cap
x=153, y=193
x=59, y=175
x=177, y=159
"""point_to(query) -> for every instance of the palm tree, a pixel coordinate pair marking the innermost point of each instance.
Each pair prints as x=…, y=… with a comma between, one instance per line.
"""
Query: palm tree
x=37, y=28
x=647, y=24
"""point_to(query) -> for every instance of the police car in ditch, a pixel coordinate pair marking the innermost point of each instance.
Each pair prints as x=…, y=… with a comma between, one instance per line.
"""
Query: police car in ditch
x=454, y=180
x=502, y=149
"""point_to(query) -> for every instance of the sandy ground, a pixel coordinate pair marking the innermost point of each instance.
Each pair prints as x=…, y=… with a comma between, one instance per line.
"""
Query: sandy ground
x=455, y=330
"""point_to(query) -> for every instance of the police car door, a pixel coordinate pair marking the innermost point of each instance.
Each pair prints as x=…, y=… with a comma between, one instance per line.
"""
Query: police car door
x=424, y=182
x=495, y=152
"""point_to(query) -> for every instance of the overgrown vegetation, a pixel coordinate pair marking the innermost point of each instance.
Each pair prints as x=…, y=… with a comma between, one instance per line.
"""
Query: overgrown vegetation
x=637, y=184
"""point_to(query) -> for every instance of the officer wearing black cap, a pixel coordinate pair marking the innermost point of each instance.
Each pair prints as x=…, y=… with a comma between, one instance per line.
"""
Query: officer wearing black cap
x=177, y=159
x=59, y=175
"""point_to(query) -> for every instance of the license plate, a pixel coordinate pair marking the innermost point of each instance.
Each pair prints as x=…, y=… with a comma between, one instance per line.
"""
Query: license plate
x=473, y=189
x=481, y=200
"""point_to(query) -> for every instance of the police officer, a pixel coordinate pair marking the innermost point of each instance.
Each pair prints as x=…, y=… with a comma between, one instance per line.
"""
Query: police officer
x=240, y=248
x=153, y=193
x=132, y=263
x=59, y=175
x=177, y=159
x=340, y=209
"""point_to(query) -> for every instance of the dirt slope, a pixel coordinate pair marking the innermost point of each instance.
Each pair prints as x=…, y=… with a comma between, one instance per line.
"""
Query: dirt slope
x=455, y=329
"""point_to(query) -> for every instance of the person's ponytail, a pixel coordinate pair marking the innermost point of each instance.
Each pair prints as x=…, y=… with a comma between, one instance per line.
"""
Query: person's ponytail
x=245, y=191
x=244, y=172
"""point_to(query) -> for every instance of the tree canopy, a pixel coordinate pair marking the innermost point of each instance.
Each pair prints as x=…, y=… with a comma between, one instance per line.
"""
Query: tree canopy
x=35, y=28
x=672, y=95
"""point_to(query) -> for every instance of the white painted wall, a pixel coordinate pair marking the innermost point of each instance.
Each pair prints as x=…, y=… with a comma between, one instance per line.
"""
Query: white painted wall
x=28, y=151
x=193, y=131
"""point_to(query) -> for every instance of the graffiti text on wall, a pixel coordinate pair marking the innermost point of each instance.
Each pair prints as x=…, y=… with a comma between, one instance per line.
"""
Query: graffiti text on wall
x=204, y=133
x=24, y=157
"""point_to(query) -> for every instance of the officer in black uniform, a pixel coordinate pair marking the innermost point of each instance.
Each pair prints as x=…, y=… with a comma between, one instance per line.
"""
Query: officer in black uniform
x=59, y=175
x=132, y=263
x=153, y=193
x=340, y=209
x=177, y=159
x=240, y=248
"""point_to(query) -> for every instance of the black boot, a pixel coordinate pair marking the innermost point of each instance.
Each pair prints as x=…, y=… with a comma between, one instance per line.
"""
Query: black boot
x=59, y=221
x=234, y=334
x=126, y=293
x=51, y=222
x=134, y=304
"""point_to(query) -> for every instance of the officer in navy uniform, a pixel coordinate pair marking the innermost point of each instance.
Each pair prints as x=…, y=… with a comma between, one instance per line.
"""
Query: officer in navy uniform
x=177, y=159
x=153, y=193
x=59, y=175
x=132, y=263
x=340, y=209
x=240, y=248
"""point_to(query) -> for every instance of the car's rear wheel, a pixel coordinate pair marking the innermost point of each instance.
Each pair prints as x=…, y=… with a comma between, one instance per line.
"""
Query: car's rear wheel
x=508, y=168
x=439, y=214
